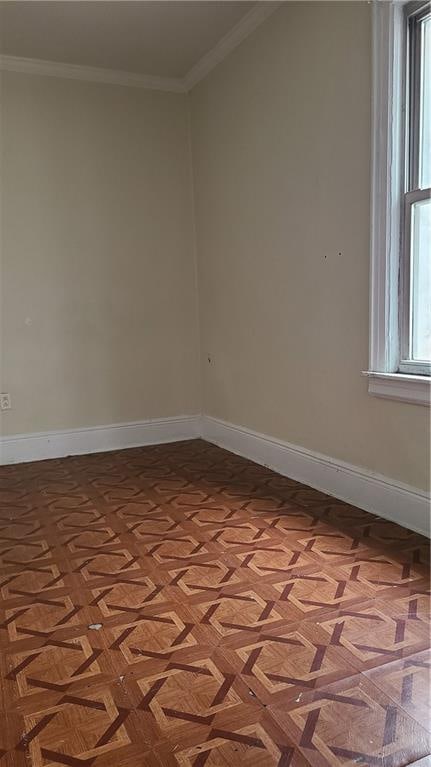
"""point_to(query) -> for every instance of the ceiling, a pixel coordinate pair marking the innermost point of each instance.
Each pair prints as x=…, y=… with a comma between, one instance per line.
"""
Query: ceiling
x=164, y=39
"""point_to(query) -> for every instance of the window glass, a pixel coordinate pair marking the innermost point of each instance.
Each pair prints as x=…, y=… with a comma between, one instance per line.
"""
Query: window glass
x=425, y=106
x=421, y=280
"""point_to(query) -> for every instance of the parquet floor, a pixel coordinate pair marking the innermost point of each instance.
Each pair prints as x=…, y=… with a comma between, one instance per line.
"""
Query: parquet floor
x=245, y=618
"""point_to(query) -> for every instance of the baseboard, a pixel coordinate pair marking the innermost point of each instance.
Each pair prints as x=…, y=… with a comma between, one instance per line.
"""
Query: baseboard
x=376, y=493
x=22, y=448
x=380, y=495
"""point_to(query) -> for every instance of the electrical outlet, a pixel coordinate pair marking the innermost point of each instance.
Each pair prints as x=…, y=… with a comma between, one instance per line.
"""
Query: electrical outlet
x=5, y=403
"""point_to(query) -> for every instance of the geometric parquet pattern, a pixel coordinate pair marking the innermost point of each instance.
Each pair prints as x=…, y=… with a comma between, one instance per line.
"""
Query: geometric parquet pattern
x=244, y=619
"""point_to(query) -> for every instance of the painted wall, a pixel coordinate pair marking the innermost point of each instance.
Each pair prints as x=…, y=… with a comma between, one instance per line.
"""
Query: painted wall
x=98, y=291
x=281, y=156
x=99, y=321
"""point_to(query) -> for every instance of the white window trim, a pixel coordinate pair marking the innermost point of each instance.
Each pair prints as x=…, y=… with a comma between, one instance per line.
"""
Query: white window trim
x=386, y=174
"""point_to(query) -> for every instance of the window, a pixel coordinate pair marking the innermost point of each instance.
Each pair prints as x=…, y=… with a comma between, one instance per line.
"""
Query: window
x=400, y=303
x=415, y=277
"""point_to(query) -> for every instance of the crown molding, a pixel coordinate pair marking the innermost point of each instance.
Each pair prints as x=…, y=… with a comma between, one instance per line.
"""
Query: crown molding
x=91, y=74
x=258, y=14
x=261, y=11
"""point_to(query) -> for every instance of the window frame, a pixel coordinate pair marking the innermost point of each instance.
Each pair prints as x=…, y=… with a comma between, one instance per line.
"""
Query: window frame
x=414, y=13
x=387, y=273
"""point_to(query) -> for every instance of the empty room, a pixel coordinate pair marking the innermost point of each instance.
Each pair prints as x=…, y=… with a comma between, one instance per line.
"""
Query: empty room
x=215, y=383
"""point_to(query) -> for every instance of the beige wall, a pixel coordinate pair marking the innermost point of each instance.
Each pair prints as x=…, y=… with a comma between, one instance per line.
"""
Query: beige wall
x=98, y=286
x=281, y=153
x=99, y=320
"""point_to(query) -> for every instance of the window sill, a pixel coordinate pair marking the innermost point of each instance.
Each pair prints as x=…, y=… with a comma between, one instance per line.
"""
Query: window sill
x=400, y=386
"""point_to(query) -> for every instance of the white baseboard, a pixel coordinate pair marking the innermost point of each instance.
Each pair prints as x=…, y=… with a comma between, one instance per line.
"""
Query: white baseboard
x=22, y=448
x=380, y=495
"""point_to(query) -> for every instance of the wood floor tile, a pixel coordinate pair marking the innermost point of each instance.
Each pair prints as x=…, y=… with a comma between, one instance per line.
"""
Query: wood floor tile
x=179, y=606
x=288, y=664
x=353, y=722
x=408, y=683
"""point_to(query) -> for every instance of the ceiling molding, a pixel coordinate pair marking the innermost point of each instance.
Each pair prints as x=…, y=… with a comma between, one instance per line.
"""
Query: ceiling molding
x=238, y=33
x=92, y=74
x=261, y=11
